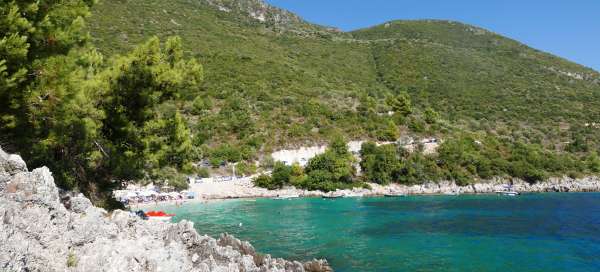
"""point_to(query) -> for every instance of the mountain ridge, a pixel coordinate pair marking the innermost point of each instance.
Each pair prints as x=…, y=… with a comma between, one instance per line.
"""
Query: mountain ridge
x=479, y=31
x=265, y=12
x=450, y=66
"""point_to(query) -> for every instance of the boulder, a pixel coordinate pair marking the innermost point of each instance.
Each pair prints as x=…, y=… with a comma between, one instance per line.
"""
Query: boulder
x=317, y=266
x=9, y=166
x=77, y=204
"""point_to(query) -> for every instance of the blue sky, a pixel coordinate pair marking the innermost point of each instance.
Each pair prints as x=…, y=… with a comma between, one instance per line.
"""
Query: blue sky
x=567, y=28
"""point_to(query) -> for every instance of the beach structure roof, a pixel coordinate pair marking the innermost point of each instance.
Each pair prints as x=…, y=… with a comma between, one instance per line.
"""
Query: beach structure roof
x=131, y=194
x=148, y=193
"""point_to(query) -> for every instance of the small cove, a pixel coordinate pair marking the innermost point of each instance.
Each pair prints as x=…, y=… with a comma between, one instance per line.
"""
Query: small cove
x=532, y=232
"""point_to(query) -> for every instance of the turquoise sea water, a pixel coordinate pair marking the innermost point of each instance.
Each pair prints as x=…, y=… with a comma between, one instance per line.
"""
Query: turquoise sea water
x=533, y=232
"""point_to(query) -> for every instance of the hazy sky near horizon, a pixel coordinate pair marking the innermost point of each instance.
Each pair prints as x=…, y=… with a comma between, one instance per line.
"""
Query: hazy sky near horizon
x=570, y=29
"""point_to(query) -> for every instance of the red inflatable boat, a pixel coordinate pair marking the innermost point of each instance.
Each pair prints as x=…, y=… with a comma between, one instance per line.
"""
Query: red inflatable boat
x=159, y=215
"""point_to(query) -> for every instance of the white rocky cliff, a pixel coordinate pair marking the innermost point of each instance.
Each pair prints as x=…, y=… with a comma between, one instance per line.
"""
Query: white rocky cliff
x=42, y=231
x=259, y=10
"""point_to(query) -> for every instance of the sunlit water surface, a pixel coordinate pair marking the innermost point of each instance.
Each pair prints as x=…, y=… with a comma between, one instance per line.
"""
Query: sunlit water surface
x=533, y=232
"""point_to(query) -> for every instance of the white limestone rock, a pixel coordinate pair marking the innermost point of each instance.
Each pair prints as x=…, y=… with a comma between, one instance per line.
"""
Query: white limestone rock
x=39, y=233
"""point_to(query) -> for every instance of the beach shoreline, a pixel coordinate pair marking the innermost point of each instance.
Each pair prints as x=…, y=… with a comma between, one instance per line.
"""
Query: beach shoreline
x=244, y=189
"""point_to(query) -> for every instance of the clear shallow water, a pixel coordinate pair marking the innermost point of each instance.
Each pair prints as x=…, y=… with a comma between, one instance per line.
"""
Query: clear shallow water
x=535, y=232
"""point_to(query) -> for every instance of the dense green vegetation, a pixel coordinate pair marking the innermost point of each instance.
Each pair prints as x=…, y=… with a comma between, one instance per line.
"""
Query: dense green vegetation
x=467, y=158
x=132, y=102
x=93, y=121
x=464, y=158
x=486, y=82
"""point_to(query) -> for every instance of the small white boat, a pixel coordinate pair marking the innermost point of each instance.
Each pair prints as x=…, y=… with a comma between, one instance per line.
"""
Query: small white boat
x=508, y=191
x=332, y=195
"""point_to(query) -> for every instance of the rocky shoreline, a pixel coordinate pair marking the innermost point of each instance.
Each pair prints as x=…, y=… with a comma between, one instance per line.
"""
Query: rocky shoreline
x=42, y=230
x=245, y=189
x=565, y=184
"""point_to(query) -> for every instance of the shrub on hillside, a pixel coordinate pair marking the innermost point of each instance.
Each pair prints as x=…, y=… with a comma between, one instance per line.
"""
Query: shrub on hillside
x=265, y=181
x=281, y=174
x=379, y=164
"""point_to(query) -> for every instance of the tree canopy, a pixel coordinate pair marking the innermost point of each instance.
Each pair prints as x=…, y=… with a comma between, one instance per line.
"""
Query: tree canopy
x=95, y=121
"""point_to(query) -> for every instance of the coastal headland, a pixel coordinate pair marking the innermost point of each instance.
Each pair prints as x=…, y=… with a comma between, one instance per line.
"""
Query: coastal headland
x=42, y=229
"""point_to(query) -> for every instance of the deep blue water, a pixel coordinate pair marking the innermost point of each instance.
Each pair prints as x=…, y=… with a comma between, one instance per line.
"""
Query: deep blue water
x=532, y=232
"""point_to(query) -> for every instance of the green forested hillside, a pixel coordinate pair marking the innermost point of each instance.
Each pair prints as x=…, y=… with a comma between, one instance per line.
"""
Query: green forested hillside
x=316, y=79
x=129, y=101
x=471, y=72
x=288, y=84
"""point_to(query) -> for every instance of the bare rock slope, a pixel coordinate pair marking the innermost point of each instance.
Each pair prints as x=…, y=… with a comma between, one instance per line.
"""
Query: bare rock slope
x=42, y=231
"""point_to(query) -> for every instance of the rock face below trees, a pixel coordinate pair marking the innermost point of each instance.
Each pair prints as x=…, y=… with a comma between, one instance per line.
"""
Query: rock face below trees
x=42, y=231
x=564, y=184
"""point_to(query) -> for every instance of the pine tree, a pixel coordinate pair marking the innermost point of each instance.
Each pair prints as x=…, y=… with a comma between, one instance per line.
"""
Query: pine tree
x=401, y=104
x=93, y=122
x=389, y=132
x=431, y=116
x=180, y=141
x=139, y=83
x=64, y=117
x=31, y=32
